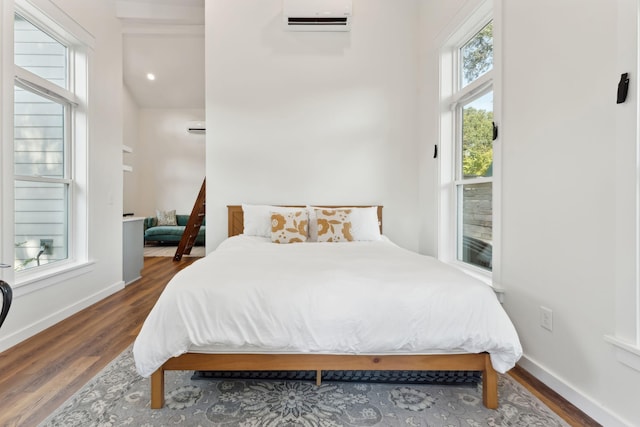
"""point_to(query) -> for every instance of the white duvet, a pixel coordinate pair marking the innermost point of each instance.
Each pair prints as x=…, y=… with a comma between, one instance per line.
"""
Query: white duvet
x=251, y=295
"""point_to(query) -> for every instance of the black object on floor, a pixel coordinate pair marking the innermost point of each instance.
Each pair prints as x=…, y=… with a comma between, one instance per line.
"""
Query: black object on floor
x=398, y=377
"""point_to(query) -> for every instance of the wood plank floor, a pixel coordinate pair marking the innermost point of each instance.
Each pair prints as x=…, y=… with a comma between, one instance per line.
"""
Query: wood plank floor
x=39, y=374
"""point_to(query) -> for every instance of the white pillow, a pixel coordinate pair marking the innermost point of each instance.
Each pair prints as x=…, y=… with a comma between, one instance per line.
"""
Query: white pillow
x=364, y=223
x=257, y=218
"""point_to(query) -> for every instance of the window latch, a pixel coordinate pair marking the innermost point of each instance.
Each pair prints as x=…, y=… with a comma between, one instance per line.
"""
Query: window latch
x=435, y=151
x=495, y=130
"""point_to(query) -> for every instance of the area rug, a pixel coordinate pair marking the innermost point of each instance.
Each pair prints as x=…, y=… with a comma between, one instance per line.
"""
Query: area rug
x=118, y=396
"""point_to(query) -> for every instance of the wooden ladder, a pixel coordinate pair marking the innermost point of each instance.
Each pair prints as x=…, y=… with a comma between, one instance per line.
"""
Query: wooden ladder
x=193, y=225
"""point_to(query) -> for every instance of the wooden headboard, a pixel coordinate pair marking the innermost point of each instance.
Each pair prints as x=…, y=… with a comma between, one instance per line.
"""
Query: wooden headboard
x=236, y=217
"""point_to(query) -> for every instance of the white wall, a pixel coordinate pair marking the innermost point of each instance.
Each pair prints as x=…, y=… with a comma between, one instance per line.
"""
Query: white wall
x=312, y=117
x=559, y=245
x=627, y=222
x=35, y=311
x=170, y=162
x=130, y=138
x=568, y=198
x=435, y=19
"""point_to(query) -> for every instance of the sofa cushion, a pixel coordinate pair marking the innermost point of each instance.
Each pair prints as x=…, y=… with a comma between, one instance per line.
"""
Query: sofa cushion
x=168, y=230
x=183, y=219
x=150, y=221
x=165, y=233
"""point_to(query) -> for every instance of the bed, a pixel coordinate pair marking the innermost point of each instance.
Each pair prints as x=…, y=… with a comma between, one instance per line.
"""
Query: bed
x=255, y=305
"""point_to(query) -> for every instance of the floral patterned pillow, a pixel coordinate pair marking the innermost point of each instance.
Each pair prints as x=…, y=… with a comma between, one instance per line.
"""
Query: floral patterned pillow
x=334, y=225
x=166, y=217
x=289, y=227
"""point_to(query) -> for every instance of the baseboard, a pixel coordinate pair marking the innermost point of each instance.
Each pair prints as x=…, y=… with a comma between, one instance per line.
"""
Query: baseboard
x=42, y=324
x=578, y=399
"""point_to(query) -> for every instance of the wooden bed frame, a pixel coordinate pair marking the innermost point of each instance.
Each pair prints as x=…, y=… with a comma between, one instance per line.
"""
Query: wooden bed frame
x=324, y=362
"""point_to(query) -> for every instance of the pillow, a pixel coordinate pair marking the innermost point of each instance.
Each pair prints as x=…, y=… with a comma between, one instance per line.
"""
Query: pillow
x=166, y=217
x=364, y=223
x=334, y=225
x=257, y=218
x=289, y=227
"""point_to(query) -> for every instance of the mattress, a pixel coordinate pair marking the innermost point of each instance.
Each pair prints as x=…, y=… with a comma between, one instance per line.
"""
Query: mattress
x=254, y=296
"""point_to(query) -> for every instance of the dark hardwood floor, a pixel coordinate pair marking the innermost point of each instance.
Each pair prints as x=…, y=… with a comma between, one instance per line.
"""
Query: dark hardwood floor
x=39, y=374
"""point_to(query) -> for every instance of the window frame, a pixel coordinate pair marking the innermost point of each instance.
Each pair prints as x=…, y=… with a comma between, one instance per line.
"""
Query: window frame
x=44, y=88
x=46, y=16
x=458, y=181
x=453, y=97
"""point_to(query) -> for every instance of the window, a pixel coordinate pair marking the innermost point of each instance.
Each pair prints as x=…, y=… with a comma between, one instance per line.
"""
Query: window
x=467, y=159
x=477, y=55
x=474, y=187
x=46, y=118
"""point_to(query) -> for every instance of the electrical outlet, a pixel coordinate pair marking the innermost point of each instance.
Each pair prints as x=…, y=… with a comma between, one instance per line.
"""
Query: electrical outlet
x=546, y=318
x=47, y=244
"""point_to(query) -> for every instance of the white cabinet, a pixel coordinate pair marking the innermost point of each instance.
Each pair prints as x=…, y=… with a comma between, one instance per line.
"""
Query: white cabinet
x=132, y=248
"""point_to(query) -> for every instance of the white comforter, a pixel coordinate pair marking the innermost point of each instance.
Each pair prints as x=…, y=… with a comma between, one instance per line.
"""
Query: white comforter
x=251, y=295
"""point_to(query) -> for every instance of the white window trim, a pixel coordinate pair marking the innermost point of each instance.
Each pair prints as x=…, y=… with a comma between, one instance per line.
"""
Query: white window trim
x=626, y=352
x=47, y=15
x=471, y=20
x=474, y=89
x=51, y=274
x=6, y=129
x=37, y=84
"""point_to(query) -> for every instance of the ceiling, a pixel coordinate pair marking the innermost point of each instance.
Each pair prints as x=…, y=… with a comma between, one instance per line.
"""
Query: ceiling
x=166, y=38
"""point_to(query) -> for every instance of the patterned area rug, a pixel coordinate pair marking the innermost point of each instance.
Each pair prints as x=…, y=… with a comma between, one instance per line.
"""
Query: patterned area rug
x=118, y=396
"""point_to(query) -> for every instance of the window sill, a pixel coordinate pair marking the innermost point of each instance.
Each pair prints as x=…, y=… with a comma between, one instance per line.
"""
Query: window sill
x=627, y=353
x=481, y=275
x=34, y=281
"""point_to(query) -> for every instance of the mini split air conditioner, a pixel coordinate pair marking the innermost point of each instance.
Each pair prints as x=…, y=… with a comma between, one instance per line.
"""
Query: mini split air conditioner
x=317, y=15
x=196, y=127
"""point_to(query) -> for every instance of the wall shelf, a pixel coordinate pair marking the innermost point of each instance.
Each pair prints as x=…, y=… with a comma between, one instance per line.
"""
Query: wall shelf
x=127, y=149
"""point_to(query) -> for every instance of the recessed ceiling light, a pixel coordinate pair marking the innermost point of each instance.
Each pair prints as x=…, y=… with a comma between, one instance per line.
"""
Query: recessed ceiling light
x=151, y=76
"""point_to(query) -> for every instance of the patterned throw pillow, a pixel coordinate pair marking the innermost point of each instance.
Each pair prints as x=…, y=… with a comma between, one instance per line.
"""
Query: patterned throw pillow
x=334, y=225
x=166, y=217
x=289, y=227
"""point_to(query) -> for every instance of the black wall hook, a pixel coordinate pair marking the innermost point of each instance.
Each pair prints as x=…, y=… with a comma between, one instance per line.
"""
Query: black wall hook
x=623, y=88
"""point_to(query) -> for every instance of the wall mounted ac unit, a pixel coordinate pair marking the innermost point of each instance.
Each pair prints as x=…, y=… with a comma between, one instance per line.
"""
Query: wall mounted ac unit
x=317, y=15
x=196, y=127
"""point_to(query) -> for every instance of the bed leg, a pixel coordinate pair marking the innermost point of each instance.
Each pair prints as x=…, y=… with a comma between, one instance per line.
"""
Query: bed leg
x=489, y=385
x=318, y=377
x=157, y=389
